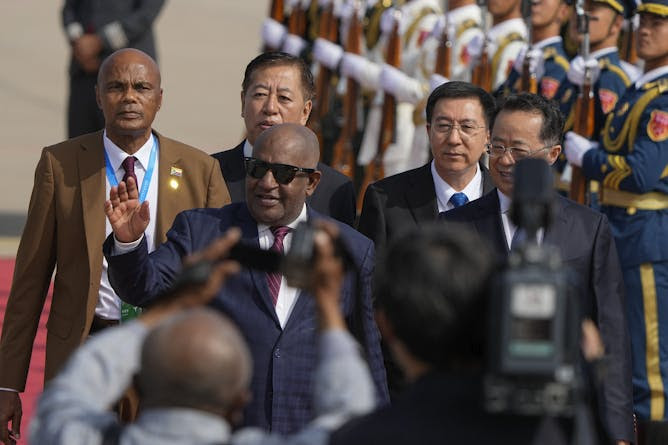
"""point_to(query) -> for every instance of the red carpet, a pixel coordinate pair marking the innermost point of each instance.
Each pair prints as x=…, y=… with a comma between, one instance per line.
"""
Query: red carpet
x=36, y=373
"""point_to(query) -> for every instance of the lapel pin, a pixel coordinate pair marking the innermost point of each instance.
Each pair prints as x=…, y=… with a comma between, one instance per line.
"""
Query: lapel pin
x=174, y=183
x=175, y=171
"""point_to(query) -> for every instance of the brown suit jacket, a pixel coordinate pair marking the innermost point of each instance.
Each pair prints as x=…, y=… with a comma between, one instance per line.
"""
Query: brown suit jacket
x=65, y=229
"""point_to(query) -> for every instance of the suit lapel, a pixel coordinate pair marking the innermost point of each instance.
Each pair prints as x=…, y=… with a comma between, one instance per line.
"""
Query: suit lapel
x=488, y=222
x=167, y=204
x=92, y=181
x=559, y=230
x=421, y=196
x=249, y=235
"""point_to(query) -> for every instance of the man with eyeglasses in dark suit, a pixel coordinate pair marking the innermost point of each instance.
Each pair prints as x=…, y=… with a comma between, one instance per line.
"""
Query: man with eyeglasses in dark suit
x=528, y=125
x=278, y=321
x=458, y=119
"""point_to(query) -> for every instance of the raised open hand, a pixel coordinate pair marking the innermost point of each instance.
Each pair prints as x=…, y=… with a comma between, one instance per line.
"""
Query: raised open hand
x=128, y=217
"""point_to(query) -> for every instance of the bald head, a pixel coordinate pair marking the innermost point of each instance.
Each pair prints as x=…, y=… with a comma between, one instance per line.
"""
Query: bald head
x=278, y=149
x=125, y=57
x=297, y=139
x=197, y=359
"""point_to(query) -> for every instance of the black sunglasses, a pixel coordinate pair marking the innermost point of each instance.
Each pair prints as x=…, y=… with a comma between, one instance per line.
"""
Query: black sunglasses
x=283, y=173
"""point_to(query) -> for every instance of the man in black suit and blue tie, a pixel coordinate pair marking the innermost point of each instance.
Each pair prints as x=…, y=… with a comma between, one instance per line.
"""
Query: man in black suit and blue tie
x=458, y=119
x=527, y=125
x=279, y=88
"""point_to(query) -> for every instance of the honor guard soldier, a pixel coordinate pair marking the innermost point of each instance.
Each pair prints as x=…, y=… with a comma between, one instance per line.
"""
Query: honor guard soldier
x=610, y=76
x=631, y=163
x=545, y=54
x=503, y=42
x=416, y=20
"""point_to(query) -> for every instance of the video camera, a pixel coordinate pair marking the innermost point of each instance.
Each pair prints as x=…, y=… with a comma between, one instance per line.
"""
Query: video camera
x=534, y=325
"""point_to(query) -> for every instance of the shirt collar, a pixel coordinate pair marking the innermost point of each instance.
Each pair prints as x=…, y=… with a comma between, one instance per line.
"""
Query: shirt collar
x=198, y=426
x=499, y=31
x=603, y=52
x=504, y=201
x=117, y=155
x=293, y=225
x=651, y=75
x=444, y=191
x=547, y=42
x=248, y=149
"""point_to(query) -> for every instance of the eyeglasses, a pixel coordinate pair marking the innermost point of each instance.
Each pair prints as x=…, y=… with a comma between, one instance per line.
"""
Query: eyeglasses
x=466, y=129
x=283, y=173
x=498, y=150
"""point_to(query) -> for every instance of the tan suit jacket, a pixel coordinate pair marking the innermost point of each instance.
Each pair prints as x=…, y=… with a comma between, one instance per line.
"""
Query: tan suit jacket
x=65, y=229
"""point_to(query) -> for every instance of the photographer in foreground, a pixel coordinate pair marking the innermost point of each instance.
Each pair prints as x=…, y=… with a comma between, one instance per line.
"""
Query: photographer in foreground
x=194, y=369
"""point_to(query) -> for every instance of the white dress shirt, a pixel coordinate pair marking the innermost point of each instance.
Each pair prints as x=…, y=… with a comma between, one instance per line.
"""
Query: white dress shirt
x=287, y=296
x=509, y=227
x=109, y=305
x=444, y=191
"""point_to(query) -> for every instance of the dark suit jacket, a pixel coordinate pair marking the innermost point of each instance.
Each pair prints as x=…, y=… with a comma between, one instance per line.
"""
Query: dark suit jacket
x=65, y=229
x=135, y=17
x=402, y=201
x=284, y=359
x=587, y=248
x=334, y=196
x=444, y=409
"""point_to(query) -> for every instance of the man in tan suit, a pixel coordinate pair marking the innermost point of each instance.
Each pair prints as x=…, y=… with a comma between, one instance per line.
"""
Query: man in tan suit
x=65, y=227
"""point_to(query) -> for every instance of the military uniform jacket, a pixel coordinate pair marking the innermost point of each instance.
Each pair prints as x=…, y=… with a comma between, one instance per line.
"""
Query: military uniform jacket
x=609, y=87
x=632, y=166
x=555, y=63
x=506, y=41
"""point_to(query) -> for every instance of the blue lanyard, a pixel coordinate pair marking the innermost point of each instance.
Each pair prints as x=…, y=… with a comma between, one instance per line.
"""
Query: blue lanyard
x=111, y=175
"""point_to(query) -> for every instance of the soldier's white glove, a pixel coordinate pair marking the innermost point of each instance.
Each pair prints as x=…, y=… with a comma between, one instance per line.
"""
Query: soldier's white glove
x=536, y=64
x=273, y=33
x=362, y=70
x=576, y=72
x=294, y=45
x=436, y=80
x=388, y=19
x=403, y=87
x=327, y=53
x=575, y=147
x=476, y=44
x=474, y=48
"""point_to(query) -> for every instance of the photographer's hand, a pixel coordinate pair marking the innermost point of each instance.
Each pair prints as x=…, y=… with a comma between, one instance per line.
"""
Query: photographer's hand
x=199, y=295
x=327, y=277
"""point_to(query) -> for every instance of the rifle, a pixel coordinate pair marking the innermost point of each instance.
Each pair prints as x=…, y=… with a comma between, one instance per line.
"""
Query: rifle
x=374, y=170
x=444, y=51
x=529, y=82
x=343, y=158
x=482, y=73
x=297, y=19
x=628, y=44
x=327, y=30
x=276, y=12
x=584, y=106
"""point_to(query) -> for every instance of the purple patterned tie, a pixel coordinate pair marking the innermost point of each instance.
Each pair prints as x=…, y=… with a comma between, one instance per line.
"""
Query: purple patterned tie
x=274, y=279
x=129, y=167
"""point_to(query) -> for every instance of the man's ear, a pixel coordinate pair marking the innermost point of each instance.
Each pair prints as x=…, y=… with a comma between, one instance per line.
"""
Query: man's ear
x=313, y=181
x=97, y=97
x=306, y=112
x=235, y=412
x=384, y=325
x=553, y=154
x=243, y=102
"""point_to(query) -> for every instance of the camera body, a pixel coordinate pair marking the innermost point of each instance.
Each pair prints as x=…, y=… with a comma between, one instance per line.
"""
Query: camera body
x=533, y=326
x=295, y=265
